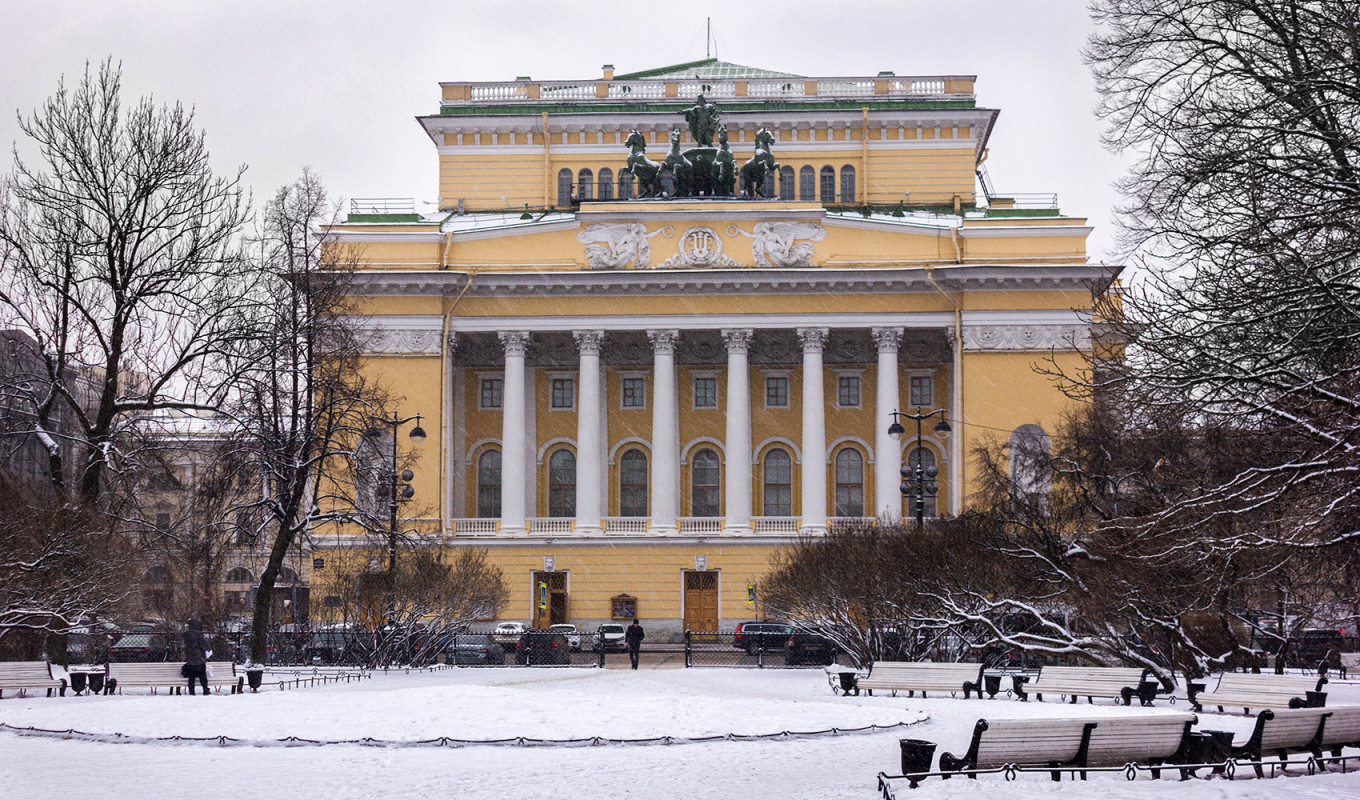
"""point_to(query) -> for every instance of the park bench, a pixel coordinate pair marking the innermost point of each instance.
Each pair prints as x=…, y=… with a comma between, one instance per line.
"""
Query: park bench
x=1247, y=691
x=1280, y=731
x=1060, y=743
x=923, y=676
x=22, y=675
x=1342, y=729
x=1092, y=682
x=167, y=675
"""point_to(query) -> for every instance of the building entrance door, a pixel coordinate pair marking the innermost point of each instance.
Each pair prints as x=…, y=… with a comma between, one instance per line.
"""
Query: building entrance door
x=555, y=596
x=701, y=602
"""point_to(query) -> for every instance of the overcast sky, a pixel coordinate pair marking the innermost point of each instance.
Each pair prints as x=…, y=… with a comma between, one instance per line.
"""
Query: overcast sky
x=336, y=84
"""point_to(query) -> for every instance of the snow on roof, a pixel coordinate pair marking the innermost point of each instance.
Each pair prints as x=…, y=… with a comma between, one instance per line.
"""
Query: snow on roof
x=455, y=223
x=707, y=69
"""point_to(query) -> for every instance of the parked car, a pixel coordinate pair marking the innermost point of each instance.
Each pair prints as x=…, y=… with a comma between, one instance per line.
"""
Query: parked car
x=1312, y=645
x=570, y=631
x=610, y=636
x=474, y=649
x=326, y=647
x=507, y=634
x=809, y=647
x=763, y=635
x=542, y=647
x=141, y=647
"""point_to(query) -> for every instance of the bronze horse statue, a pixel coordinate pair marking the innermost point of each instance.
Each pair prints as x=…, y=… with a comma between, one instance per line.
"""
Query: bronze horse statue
x=724, y=167
x=646, y=171
x=682, y=171
x=762, y=164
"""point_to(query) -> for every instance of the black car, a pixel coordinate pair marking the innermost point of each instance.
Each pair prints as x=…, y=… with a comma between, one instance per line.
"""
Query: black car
x=809, y=647
x=751, y=636
x=473, y=649
x=141, y=647
x=542, y=647
x=326, y=647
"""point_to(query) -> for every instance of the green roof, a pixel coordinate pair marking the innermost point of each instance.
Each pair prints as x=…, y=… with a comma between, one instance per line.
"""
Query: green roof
x=707, y=69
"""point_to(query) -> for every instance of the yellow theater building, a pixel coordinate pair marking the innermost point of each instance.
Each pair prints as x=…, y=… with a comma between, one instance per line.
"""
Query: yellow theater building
x=633, y=401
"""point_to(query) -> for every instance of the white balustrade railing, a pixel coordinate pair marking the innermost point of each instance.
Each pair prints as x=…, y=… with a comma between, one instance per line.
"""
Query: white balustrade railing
x=709, y=89
x=687, y=90
x=775, y=524
x=839, y=524
x=567, y=91
x=846, y=88
x=493, y=92
x=551, y=524
x=637, y=90
x=625, y=524
x=475, y=527
x=776, y=88
x=700, y=524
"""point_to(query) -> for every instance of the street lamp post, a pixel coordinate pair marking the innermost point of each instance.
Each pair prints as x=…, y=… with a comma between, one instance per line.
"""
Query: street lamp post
x=398, y=492
x=918, y=483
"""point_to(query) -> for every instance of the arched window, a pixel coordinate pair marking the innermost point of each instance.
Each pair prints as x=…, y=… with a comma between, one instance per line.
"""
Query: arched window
x=1031, y=466
x=489, y=485
x=564, y=184
x=807, y=184
x=633, y=484
x=847, y=184
x=626, y=186
x=585, y=185
x=786, y=186
x=288, y=576
x=606, y=184
x=667, y=183
x=704, y=484
x=828, y=185
x=926, y=459
x=849, y=483
x=767, y=185
x=562, y=484
x=240, y=575
x=778, y=478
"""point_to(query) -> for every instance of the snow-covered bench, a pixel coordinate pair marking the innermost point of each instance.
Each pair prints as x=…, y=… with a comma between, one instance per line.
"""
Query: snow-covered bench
x=923, y=676
x=23, y=675
x=1342, y=729
x=1059, y=743
x=1280, y=731
x=1092, y=682
x=167, y=675
x=1247, y=691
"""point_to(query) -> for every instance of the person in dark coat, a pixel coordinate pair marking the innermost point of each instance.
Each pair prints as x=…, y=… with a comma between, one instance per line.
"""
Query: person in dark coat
x=196, y=655
x=634, y=636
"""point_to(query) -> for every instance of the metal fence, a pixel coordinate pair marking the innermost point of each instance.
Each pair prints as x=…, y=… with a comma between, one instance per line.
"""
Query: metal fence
x=732, y=649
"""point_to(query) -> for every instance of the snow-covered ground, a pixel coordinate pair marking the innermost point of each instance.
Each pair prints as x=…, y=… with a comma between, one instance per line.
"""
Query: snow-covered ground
x=556, y=704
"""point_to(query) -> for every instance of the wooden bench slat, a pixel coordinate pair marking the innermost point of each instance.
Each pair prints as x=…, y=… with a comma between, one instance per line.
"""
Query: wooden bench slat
x=924, y=676
x=22, y=675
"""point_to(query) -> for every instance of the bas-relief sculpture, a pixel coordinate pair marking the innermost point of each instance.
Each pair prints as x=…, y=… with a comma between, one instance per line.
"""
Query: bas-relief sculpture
x=775, y=244
x=611, y=245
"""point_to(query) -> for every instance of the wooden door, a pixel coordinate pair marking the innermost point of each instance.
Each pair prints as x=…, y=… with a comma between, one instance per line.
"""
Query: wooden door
x=556, y=612
x=701, y=601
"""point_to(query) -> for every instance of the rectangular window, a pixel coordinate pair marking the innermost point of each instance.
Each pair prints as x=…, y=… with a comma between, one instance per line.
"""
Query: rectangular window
x=492, y=390
x=847, y=391
x=922, y=390
x=705, y=392
x=623, y=607
x=563, y=393
x=777, y=391
x=634, y=392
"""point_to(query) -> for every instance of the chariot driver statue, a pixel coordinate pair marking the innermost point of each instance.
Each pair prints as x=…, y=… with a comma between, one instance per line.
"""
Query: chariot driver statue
x=703, y=121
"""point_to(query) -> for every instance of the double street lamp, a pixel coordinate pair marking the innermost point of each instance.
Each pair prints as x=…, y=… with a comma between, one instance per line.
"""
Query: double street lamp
x=398, y=490
x=918, y=483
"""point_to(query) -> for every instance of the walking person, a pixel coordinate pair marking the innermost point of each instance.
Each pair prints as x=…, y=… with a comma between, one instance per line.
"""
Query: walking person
x=196, y=655
x=634, y=637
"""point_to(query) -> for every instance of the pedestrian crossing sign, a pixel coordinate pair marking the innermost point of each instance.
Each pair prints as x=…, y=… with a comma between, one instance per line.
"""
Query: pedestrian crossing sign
x=542, y=596
x=750, y=594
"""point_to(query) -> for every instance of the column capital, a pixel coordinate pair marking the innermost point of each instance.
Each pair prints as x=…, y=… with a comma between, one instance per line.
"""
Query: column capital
x=514, y=342
x=738, y=339
x=664, y=341
x=887, y=339
x=589, y=342
x=813, y=339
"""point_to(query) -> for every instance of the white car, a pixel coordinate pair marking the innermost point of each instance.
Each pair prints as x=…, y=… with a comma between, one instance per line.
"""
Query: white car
x=610, y=636
x=572, y=633
x=507, y=634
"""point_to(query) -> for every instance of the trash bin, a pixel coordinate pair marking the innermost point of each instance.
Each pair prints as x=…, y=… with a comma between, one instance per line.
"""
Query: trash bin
x=96, y=682
x=916, y=757
x=992, y=685
x=849, y=682
x=1192, y=691
x=1315, y=700
x=1217, y=749
x=77, y=681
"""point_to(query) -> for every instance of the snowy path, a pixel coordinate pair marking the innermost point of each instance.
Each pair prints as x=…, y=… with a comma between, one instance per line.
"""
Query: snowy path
x=548, y=704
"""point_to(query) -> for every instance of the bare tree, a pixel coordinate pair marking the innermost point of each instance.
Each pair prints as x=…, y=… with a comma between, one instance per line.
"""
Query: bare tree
x=58, y=562
x=1243, y=208
x=300, y=404
x=120, y=255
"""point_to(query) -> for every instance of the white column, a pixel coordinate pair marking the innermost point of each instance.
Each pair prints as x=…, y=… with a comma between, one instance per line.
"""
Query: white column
x=665, y=433
x=887, y=455
x=814, y=431
x=589, y=465
x=737, y=443
x=956, y=422
x=514, y=466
